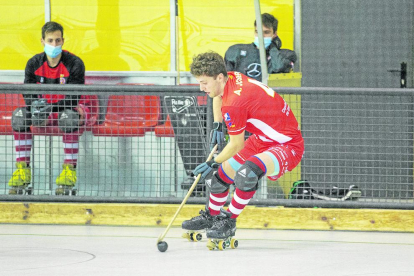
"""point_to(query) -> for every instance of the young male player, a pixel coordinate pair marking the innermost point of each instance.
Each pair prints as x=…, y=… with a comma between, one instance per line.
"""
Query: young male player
x=53, y=66
x=275, y=147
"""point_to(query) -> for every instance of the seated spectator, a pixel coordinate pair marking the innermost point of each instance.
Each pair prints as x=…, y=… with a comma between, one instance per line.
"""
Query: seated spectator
x=68, y=112
x=245, y=58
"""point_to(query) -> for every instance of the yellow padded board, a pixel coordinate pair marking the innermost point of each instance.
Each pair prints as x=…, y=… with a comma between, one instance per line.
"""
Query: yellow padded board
x=134, y=35
x=252, y=217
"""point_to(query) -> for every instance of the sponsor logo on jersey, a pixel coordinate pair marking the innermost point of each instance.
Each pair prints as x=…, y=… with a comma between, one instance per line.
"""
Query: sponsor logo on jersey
x=62, y=79
x=231, y=125
x=227, y=117
x=243, y=53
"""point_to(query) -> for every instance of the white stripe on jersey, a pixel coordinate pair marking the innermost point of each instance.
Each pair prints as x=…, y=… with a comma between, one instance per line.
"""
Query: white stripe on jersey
x=269, y=131
x=235, y=130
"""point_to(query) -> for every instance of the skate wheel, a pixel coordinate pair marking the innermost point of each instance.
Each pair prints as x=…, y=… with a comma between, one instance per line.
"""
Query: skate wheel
x=211, y=245
x=221, y=245
x=196, y=236
x=29, y=191
x=73, y=192
x=234, y=243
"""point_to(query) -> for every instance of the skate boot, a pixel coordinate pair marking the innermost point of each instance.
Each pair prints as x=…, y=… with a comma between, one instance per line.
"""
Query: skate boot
x=66, y=180
x=221, y=234
x=194, y=225
x=21, y=180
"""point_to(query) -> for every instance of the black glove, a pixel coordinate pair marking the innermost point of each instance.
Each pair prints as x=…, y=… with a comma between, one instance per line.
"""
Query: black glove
x=217, y=136
x=40, y=110
x=206, y=168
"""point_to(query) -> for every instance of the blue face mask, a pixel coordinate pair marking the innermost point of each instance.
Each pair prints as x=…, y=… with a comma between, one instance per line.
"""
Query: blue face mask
x=52, y=51
x=267, y=41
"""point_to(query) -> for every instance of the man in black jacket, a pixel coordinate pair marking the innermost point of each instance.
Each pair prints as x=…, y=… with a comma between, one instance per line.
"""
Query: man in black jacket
x=69, y=112
x=245, y=58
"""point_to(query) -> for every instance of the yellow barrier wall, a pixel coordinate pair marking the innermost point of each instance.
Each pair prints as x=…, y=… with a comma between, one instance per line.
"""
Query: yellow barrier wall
x=134, y=35
x=252, y=217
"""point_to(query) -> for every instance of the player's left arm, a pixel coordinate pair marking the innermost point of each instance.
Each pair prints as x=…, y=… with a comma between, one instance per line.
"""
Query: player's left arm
x=76, y=76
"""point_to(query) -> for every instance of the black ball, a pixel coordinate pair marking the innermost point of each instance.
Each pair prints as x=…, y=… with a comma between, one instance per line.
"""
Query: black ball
x=162, y=246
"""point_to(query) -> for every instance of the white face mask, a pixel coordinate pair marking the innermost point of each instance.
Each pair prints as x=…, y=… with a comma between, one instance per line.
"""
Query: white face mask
x=267, y=41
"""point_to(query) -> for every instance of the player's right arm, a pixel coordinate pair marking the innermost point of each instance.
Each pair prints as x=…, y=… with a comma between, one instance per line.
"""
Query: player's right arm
x=29, y=77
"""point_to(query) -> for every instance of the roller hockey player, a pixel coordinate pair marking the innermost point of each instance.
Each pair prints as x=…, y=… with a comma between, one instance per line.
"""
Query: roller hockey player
x=275, y=146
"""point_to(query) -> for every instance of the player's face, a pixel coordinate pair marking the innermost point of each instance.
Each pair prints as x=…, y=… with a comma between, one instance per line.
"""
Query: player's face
x=267, y=32
x=212, y=86
x=53, y=38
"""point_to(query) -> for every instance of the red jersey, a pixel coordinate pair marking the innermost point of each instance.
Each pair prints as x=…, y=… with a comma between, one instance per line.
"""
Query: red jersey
x=70, y=70
x=252, y=106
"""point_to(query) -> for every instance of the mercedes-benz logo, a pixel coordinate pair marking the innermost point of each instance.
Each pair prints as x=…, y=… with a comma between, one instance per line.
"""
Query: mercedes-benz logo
x=254, y=70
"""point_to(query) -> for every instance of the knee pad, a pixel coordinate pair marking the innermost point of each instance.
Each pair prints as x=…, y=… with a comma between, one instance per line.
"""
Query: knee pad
x=68, y=120
x=248, y=176
x=21, y=119
x=216, y=185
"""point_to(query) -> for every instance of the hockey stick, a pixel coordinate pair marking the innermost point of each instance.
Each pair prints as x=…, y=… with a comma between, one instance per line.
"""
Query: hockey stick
x=162, y=236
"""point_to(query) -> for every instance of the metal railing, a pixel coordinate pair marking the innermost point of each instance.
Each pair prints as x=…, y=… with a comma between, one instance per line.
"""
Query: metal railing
x=147, y=139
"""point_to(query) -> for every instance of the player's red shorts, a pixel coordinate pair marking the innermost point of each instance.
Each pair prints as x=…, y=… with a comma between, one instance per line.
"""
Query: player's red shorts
x=288, y=154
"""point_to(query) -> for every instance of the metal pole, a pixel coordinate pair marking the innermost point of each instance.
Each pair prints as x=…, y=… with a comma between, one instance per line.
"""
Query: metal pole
x=177, y=42
x=173, y=39
x=298, y=34
x=47, y=11
x=262, y=51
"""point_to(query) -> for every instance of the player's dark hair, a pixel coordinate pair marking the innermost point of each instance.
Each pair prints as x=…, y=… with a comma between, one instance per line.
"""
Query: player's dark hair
x=51, y=27
x=269, y=21
x=209, y=64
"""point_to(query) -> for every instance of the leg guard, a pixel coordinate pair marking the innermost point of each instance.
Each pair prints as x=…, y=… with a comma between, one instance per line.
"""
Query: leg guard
x=68, y=120
x=248, y=176
x=216, y=185
x=21, y=119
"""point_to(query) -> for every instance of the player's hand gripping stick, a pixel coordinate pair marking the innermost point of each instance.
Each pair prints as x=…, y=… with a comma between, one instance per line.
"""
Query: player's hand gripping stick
x=162, y=245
